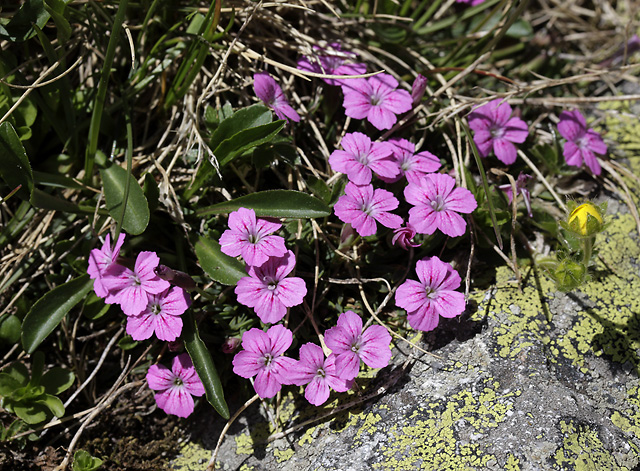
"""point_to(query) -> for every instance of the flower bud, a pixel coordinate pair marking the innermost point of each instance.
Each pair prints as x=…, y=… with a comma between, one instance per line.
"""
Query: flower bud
x=231, y=345
x=569, y=275
x=586, y=220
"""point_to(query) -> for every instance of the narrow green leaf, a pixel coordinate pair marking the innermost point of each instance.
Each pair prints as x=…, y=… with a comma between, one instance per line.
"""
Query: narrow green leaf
x=245, y=140
x=204, y=365
x=57, y=380
x=21, y=26
x=273, y=203
x=49, y=310
x=136, y=215
x=221, y=267
x=14, y=163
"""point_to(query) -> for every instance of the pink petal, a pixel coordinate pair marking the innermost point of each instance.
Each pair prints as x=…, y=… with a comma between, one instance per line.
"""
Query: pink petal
x=450, y=303
x=591, y=161
x=167, y=328
x=159, y=377
x=281, y=339
x=516, y=130
x=176, y=401
x=317, y=392
x=375, y=350
x=450, y=223
x=351, y=323
x=247, y=364
x=257, y=341
x=380, y=117
x=426, y=321
x=411, y=295
x=347, y=365
x=505, y=151
x=265, y=87
x=572, y=154
x=140, y=327
x=291, y=291
x=266, y=384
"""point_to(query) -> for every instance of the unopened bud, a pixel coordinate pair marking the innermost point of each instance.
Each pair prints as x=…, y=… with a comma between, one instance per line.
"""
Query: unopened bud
x=586, y=220
x=570, y=275
x=231, y=345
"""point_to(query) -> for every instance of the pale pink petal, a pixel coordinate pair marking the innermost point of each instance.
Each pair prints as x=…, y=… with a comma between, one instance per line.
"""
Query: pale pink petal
x=375, y=350
x=381, y=118
x=450, y=303
x=291, y=291
x=281, y=339
x=257, y=341
x=317, y=391
x=410, y=295
x=461, y=200
x=167, y=327
x=516, y=130
x=347, y=365
x=247, y=364
x=159, y=377
x=266, y=384
x=505, y=151
x=451, y=223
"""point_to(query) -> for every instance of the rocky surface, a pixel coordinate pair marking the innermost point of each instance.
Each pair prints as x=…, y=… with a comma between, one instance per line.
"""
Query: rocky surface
x=530, y=379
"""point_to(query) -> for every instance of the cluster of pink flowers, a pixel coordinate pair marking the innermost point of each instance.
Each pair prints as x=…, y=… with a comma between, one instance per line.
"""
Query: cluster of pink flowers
x=150, y=303
x=263, y=357
x=497, y=131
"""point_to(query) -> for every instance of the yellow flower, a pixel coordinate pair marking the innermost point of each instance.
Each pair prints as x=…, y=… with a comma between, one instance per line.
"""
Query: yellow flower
x=586, y=219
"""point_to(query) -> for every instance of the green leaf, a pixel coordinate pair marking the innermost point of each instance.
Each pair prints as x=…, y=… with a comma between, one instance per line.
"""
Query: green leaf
x=21, y=26
x=52, y=403
x=319, y=188
x=151, y=191
x=10, y=329
x=18, y=371
x=56, y=9
x=32, y=412
x=83, y=461
x=241, y=142
x=136, y=215
x=8, y=384
x=273, y=203
x=204, y=365
x=49, y=310
x=14, y=164
x=221, y=267
x=57, y=380
x=56, y=180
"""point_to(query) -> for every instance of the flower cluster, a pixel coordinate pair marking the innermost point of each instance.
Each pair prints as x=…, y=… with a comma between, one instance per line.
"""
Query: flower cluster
x=150, y=303
x=263, y=357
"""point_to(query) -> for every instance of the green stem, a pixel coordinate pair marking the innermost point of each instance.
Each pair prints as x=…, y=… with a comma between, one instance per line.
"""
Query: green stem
x=587, y=250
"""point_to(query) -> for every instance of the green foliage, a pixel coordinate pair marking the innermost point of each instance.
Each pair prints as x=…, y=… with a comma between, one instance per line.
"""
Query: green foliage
x=136, y=212
x=33, y=399
x=83, y=461
x=48, y=311
x=220, y=267
x=15, y=169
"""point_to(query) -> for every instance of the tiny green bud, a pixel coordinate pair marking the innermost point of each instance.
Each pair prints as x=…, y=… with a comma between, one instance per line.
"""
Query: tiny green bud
x=570, y=274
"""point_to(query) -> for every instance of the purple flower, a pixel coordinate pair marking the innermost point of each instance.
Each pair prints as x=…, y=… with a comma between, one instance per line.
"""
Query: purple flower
x=268, y=291
x=319, y=373
x=176, y=386
x=403, y=235
x=582, y=143
x=410, y=164
x=521, y=187
x=100, y=260
x=432, y=296
x=250, y=238
x=332, y=61
x=495, y=129
x=131, y=289
x=350, y=345
x=437, y=204
x=361, y=207
x=376, y=99
x=263, y=358
x=162, y=316
x=361, y=156
x=271, y=94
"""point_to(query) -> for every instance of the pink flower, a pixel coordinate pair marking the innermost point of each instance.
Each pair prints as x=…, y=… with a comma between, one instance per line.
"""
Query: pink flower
x=403, y=235
x=319, y=373
x=268, y=291
x=437, y=204
x=350, y=345
x=376, y=99
x=131, y=289
x=332, y=61
x=263, y=358
x=162, y=316
x=250, y=238
x=582, y=143
x=432, y=296
x=271, y=94
x=100, y=260
x=495, y=129
x=361, y=207
x=521, y=187
x=410, y=164
x=176, y=385
x=361, y=156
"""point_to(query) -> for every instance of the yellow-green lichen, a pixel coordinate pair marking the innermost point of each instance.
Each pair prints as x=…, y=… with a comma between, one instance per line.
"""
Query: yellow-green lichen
x=192, y=457
x=583, y=450
x=629, y=419
x=283, y=455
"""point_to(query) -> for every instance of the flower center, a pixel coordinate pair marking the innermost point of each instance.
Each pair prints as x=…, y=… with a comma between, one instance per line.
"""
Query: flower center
x=581, y=143
x=496, y=132
x=268, y=359
x=363, y=158
x=253, y=238
x=438, y=203
x=355, y=346
x=375, y=100
x=271, y=283
x=177, y=382
x=321, y=373
x=430, y=292
x=155, y=308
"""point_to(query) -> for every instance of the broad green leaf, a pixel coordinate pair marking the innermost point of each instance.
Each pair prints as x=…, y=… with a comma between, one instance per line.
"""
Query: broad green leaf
x=57, y=380
x=31, y=413
x=49, y=310
x=10, y=329
x=319, y=188
x=273, y=203
x=83, y=461
x=8, y=384
x=53, y=403
x=56, y=9
x=21, y=26
x=18, y=371
x=14, y=163
x=204, y=365
x=151, y=191
x=136, y=215
x=221, y=267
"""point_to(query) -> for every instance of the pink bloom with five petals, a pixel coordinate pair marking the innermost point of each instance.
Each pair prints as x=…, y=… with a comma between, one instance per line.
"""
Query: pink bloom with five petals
x=161, y=316
x=410, y=163
x=432, y=296
x=360, y=157
x=362, y=206
x=263, y=358
x=437, y=204
x=176, y=385
x=350, y=345
x=582, y=143
x=271, y=94
x=376, y=98
x=131, y=288
x=100, y=260
x=249, y=237
x=268, y=291
x=318, y=373
x=496, y=130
